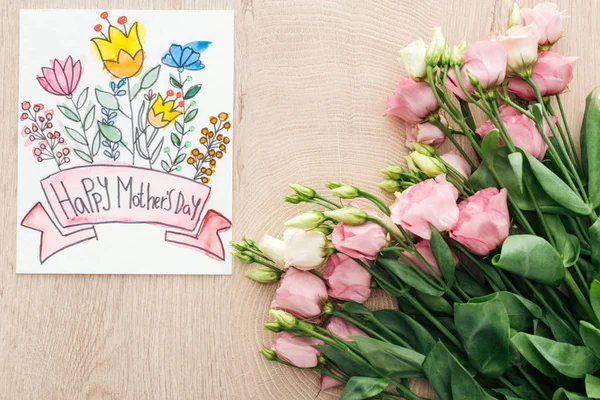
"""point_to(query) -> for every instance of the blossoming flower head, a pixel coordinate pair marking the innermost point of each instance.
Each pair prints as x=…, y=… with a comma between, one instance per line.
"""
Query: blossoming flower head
x=186, y=56
x=162, y=112
x=62, y=77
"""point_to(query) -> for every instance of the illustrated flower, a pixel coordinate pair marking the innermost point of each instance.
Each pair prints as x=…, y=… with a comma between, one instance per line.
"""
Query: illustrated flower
x=521, y=44
x=62, y=77
x=304, y=249
x=343, y=328
x=300, y=293
x=457, y=162
x=121, y=51
x=547, y=21
x=483, y=222
x=432, y=201
x=186, y=56
x=424, y=248
x=162, y=112
x=551, y=73
x=484, y=60
x=521, y=130
x=425, y=133
x=411, y=101
x=296, y=350
x=347, y=280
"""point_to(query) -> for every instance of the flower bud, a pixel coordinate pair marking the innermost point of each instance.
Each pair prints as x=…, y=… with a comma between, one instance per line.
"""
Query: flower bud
x=325, y=229
x=393, y=171
x=346, y=192
x=246, y=258
x=333, y=185
x=515, y=15
x=436, y=47
x=432, y=167
x=457, y=53
x=251, y=243
x=303, y=190
x=268, y=354
x=293, y=199
x=273, y=327
x=413, y=59
x=472, y=79
x=390, y=185
x=308, y=220
x=328, y=308
x=424, y=149
x=411, y=165
x=273, y=249
x=263, y=275
x=348, y=215
x=446, y=56
x=284, y=318
x=239, y=246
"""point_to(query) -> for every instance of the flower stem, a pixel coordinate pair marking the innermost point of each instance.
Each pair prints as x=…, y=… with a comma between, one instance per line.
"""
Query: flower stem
x=133, y=138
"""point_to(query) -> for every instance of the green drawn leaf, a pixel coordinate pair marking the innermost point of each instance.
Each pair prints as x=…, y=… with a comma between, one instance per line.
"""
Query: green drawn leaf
x=165, y=166
x=82, y=98
x=88, y=121
x=110, y=132
x=175, y=139
x=189, y=117
x=107, y=100
x=179, y=159
x=66, y=111
x=96, y=143
x=76, y=136
x=192, y=92
x=174, y=82
x=84, y=156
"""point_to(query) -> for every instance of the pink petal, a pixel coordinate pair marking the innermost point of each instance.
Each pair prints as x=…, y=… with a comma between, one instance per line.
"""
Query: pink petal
x=61, y=77
x=46, y=86
x=52, y=81
x=77, y=70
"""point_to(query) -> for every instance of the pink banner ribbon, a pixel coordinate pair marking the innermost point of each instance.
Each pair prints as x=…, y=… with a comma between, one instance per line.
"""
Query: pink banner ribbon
x=82, y=197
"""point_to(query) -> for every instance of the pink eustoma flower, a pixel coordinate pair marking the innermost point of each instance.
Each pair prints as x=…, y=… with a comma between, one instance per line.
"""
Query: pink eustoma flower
x=484, y=222
x=521, y=130
x=424, y=248
x=551, y=73
x=327, y=382
x=297, y=350
x=425, y=133
x=429, y=202
x=359, y=241
x=300, y=293
x=485, y=60
x=457, y=162
x=347, y=280
x=547, y=21
x=62, y=77
x=343, y=328
x=412, y=101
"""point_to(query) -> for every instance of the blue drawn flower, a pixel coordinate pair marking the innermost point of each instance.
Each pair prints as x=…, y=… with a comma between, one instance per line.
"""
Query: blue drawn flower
x=185, y=57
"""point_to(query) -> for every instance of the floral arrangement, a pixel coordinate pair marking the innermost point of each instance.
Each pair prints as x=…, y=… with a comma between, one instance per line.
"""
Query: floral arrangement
x=493, y=259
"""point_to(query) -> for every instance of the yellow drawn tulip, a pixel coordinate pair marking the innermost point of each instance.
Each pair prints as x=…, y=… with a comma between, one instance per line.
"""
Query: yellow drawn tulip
x=162, y=112
x=121, y=52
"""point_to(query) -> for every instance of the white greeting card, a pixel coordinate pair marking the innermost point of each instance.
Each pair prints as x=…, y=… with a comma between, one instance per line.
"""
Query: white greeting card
x=125, y=130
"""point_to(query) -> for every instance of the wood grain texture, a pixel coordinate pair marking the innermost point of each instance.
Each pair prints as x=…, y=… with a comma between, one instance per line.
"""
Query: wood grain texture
x=312, y=78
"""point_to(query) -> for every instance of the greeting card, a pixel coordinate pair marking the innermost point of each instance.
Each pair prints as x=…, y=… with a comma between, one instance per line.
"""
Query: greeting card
x=124, y=145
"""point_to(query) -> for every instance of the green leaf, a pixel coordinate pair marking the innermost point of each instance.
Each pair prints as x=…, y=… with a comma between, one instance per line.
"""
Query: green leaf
x=449, y=378
x=82, y=98
x=568, y=245
x=66, y=111
x=84, y=156
x=482, y=178
x=443, y=256
x=110, y=132
x=190, y=115
x=590, y=147
x=560, y=332
x=165, y=166
x=107, y=100
x=483, y=326
x=541, y=329
x=192, y=92
x=531, y=257
x=179, y=127
x=591, y=337
x=592, y=386
x=174, y=82
x=409, y=276
x=408, y=328
x=473, y=287
x=345, y=361
x=594, y=232
x=179, y=159
x=435, y=304
x=516, y=162
x=175, y=139
x=489, y=146
x=361, y=387
x=394, y=361
x=76, y=136
x=562, y=394
x=88, y=120
x=556, y=188
x=595, y=297
x=355, y=308
x=554, y=358
x=150, y=77
x=521, y=312
x=96, y=143
x=156, y=151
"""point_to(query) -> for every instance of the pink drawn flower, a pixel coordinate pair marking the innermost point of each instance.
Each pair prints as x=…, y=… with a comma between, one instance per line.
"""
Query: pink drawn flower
x=62, y=77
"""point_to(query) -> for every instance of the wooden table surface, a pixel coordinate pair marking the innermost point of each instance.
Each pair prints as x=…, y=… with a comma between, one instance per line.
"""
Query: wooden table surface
x=312, y=78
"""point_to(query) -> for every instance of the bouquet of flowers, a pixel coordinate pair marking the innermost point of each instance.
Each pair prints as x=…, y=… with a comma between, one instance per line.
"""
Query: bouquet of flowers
x=492, y=251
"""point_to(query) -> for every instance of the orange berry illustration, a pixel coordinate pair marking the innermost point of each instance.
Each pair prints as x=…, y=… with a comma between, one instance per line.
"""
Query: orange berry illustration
x=205, y=180
x=213, y=120
x=211, y=152
x=226, y=140
x=211, y=134
x=204, y=131
x=213, y=163
x=227, y=125
x=195, y=152
x=219, y=137
x=223, y=116
x=202, y=140
x=219, y=154
x=209, y=172
x=190, y=160
x=222, y=147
